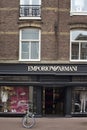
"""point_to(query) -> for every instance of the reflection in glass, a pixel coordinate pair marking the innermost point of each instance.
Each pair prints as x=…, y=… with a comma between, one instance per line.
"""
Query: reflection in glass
x=83, y=50
x=79, y=45
x=79, y=35
x=34, y=50
x=75, y=50
x=25, y=50
x=79, y=6
x=30, y=34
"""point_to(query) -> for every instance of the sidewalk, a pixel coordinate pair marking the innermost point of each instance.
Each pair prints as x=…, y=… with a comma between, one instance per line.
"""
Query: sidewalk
x=45, y=124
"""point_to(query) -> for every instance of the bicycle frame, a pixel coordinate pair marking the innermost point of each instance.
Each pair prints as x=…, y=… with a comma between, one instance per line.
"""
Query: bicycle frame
x=29, y=118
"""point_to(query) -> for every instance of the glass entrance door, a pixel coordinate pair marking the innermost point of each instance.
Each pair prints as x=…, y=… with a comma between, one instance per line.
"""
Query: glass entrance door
x=53, y=101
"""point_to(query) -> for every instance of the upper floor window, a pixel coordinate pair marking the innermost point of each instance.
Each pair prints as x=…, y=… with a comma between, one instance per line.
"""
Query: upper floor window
x=30, y=9
x=30, y=44
x=78, y=7
x=78, y=45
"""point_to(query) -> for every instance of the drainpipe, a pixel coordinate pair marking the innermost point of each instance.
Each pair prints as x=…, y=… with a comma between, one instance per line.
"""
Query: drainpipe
x=56, y=30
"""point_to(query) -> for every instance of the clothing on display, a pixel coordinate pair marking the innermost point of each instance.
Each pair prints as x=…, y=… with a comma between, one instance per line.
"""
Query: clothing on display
x=4, y=96
x=83, y=97
x=14, y=99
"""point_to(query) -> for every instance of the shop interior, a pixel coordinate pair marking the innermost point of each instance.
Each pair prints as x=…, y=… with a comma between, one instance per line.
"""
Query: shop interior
x=53, y=101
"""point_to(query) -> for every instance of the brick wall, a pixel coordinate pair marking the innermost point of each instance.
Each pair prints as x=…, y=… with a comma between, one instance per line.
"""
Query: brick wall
x=9, y=40
x=55, y=25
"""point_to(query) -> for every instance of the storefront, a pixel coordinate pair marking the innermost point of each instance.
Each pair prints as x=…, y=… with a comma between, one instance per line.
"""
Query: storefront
x=53, y=89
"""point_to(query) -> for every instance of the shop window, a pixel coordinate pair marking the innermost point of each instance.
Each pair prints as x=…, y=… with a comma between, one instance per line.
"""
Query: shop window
x=30, y=44
x=78, y=7
x=15, y=99
x=78, y=45
x=30, y=9
x=79, y=100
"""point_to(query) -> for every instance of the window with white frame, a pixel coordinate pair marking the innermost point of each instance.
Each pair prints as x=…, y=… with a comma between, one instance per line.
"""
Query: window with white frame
x=78, y=45
x=30, y=44
x=79, y=7
x=30, y=8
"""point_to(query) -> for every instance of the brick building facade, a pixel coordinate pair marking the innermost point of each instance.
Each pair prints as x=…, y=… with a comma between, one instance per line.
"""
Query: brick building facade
x=43, y=57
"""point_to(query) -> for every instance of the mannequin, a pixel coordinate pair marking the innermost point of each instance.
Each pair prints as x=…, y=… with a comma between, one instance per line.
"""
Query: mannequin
x=4, y=98
x=83, y=97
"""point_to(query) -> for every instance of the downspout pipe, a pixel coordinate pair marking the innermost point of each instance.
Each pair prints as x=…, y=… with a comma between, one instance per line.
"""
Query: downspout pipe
x=56, y=30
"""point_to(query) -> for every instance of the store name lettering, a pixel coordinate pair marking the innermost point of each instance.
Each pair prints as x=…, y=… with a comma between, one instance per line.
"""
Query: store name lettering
x=53, y=68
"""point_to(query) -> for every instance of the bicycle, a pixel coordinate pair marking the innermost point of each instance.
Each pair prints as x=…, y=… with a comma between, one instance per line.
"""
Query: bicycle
x=28, y=120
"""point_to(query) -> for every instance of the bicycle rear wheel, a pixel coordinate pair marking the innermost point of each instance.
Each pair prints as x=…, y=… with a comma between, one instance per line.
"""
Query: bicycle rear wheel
x=28, y=121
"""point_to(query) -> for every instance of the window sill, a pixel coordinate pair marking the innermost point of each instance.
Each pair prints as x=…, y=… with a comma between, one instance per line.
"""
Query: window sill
x=78, y=13
x=27, y=18
x=79, y=60
x=28, y=60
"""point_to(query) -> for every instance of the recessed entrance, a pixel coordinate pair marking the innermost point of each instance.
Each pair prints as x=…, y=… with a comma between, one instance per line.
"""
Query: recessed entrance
x=53, y=101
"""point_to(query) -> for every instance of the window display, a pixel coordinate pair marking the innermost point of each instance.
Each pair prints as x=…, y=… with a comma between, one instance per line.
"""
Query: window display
x=13, y=99
x=83, y=99
x=79, y=100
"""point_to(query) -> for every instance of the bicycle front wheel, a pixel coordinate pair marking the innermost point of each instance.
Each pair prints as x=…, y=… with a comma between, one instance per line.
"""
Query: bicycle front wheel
x=28, y=121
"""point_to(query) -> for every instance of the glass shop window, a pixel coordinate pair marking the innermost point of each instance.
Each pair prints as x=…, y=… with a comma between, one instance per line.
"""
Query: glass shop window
x=15, y=99
x=79, y=101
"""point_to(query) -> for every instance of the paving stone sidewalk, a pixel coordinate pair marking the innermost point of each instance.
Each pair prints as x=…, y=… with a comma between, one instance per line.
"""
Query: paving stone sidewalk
x=45, y=124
